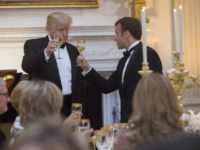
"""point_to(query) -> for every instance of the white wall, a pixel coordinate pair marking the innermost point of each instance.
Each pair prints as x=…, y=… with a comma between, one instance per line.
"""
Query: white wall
x=107, y=14
x=160, y=14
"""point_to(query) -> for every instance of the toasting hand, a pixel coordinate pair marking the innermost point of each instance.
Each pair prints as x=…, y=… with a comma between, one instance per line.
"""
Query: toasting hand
x=82, y=62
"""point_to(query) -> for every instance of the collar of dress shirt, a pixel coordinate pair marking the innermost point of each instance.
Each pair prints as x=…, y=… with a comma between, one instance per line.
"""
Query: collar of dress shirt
x=134, y=44
x=49, y=37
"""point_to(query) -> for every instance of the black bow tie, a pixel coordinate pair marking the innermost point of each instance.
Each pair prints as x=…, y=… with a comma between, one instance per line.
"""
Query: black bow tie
x=63, y=45
x=128, y=53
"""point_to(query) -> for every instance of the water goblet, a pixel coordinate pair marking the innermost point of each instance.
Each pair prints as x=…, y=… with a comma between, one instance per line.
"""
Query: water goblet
x=83, y=125
x=100, y=137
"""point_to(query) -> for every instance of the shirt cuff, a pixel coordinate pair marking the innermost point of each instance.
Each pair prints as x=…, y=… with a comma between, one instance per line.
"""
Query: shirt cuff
x=84, y=73
x=46, y=57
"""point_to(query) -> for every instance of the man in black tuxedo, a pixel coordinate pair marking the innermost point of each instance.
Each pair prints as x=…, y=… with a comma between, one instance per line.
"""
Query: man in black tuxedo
x=40, y=60
x=125, y=78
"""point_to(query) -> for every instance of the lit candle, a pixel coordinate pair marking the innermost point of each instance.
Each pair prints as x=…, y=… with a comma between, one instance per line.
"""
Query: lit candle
x=180, y=35
x=176, y=31
x=144, y=35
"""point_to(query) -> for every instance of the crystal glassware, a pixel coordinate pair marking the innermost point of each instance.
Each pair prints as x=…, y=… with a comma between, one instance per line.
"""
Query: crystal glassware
x=83, y=125
x=58, y=37
x=76, y=107
x=80, y=47
x=100, y=137
x=110, y=136
x=123, y=127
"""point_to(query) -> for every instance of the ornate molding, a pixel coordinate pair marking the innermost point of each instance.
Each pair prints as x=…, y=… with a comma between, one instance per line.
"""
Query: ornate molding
x=151, y=8
x=72, y=29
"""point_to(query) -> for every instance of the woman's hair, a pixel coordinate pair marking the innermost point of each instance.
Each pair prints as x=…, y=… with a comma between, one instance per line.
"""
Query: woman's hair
x=156, y=111
x=58, y=17
x=39, y=99
x=47, y=134
x=17, y=92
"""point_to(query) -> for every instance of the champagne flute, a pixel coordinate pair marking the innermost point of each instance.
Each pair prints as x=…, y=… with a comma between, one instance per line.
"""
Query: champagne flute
x=58, y=37
x=80, y=47
x=83, y=125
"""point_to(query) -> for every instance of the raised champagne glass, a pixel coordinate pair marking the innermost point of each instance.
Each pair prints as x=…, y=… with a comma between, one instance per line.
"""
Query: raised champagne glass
x=80, y=47
x=76, y=107
x=58, y=37
x=83, y=125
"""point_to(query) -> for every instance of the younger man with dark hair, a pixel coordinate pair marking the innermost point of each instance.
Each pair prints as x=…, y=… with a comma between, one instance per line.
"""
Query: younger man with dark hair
x=125, y=78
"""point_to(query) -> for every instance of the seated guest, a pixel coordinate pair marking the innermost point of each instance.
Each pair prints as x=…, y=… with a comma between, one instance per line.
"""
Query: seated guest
x=15, y=98
x=4, y=99
x=155, y=115
x=37, y=99
x=182, y=142
x=47, y=134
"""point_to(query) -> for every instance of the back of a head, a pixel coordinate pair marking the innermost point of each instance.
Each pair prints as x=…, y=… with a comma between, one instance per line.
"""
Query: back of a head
x=58, y=17
x=17, y=92
x=2, y=82
x=181, y=141
x=39, y=99
x=133, y=25
x=47, y=134
x=156, y=111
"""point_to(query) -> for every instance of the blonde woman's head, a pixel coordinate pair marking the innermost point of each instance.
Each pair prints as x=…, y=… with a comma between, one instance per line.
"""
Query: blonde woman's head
x=156, y=111
x=39, y=99
x=17, y=92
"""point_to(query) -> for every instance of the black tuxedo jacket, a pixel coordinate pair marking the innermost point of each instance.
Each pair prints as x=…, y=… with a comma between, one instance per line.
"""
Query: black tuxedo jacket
x=35, y=64
x=131, y=78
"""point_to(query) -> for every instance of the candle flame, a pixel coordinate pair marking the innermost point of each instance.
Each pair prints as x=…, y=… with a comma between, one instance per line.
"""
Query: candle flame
x=180, y=7
x=174, y=10
x=143, y=9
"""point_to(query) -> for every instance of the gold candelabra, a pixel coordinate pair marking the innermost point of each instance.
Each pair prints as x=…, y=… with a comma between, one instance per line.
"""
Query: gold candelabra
x=191, y=86
x=177, y=77
x=145, y=70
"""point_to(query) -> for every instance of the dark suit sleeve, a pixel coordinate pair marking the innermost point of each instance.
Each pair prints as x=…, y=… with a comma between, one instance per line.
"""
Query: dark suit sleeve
x=33, y=58
x=106, y=86
x=155, y=63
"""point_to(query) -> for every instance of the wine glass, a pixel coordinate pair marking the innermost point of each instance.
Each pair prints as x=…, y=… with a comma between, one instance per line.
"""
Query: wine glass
x=83, y=125
x=116, y=129
x=123, y=127
x=100, y=137
x=76, y=107
x=58, y=37
x=80, y=47
x=110, y=136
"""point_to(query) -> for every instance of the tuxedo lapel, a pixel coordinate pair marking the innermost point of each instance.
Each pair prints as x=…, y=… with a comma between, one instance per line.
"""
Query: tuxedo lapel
x=120, y=71
x=52, y=61
x=128, y=69
x=73, y=57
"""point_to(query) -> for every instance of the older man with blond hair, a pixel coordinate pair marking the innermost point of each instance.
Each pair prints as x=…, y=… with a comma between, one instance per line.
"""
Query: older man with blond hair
x=4, y=99
x=40, y=61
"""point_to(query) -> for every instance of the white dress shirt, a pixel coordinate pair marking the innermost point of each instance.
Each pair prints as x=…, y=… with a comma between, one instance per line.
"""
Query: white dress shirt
x=128, y=59
x=64, y=69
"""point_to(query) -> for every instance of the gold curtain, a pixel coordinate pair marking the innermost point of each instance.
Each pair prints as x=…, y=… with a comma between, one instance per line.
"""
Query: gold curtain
x=191, y=34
